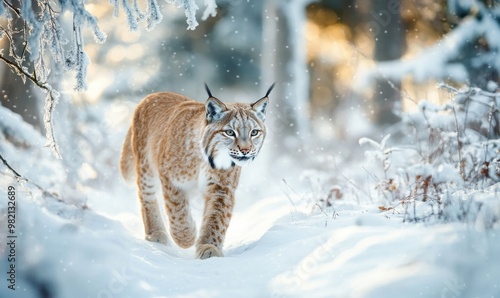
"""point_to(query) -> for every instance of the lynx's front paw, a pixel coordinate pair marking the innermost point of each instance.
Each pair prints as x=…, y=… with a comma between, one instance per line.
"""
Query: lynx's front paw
x=158, y=237
x=205, y=251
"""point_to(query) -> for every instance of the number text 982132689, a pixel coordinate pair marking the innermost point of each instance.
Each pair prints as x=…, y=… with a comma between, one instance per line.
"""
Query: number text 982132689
x=11, y=237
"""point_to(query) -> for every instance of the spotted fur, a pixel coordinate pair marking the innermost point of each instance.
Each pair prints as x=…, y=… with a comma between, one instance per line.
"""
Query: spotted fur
x=175, y=140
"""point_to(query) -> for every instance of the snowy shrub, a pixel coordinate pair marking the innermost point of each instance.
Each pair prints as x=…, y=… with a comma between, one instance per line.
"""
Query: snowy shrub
x=323, y=190
x=446, y=165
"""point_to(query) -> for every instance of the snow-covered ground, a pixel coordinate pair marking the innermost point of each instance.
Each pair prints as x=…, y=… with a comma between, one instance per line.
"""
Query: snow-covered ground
x=275, y=247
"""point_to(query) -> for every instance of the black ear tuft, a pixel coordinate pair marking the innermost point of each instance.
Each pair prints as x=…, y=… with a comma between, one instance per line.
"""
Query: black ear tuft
x=270, y=89
x=208, y=90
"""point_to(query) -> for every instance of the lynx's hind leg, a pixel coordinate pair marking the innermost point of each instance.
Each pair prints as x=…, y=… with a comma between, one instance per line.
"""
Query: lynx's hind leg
x=154, y=227
x=182, y=225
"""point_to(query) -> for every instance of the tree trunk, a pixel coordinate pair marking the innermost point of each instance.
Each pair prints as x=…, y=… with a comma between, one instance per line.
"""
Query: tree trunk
x=284, y=62
x=389, y=34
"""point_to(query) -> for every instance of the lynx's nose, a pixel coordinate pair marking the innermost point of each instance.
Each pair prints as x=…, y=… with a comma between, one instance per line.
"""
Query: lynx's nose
x=244, y=151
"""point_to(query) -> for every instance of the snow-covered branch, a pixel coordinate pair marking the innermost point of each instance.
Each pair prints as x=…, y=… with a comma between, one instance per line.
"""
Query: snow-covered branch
x=448, y=59
x=42, y=29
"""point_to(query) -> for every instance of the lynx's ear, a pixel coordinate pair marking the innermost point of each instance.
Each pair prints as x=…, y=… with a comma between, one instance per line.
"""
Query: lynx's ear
x=215, y=109
x=260, y=105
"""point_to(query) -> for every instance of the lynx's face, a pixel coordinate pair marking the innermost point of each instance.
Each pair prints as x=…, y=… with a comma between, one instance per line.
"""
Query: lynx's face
x=234, y=133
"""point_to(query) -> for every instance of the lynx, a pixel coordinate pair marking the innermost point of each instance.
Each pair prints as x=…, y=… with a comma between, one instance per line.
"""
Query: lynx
x=184, y=144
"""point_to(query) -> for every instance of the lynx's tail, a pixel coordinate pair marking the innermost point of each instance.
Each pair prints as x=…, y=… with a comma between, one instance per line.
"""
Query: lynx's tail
x=127, y=161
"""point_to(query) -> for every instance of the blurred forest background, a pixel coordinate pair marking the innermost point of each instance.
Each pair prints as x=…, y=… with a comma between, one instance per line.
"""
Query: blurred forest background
x=344, y=69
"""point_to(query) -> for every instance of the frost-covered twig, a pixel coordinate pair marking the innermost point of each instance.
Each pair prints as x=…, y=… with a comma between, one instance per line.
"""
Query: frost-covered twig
x=23, y=180
x=190, y=9
x=291, y=188
x=352, y=183
x=448, y=88
x=50, y=101
x=468, y=91
x=210, y=10
x=459, y=146
x=18, y=176
x=22, y=71
x=153, y=15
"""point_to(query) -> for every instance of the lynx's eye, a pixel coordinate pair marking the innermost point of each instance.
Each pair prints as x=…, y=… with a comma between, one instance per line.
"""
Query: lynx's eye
x=255, y=132
x=229, y=133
